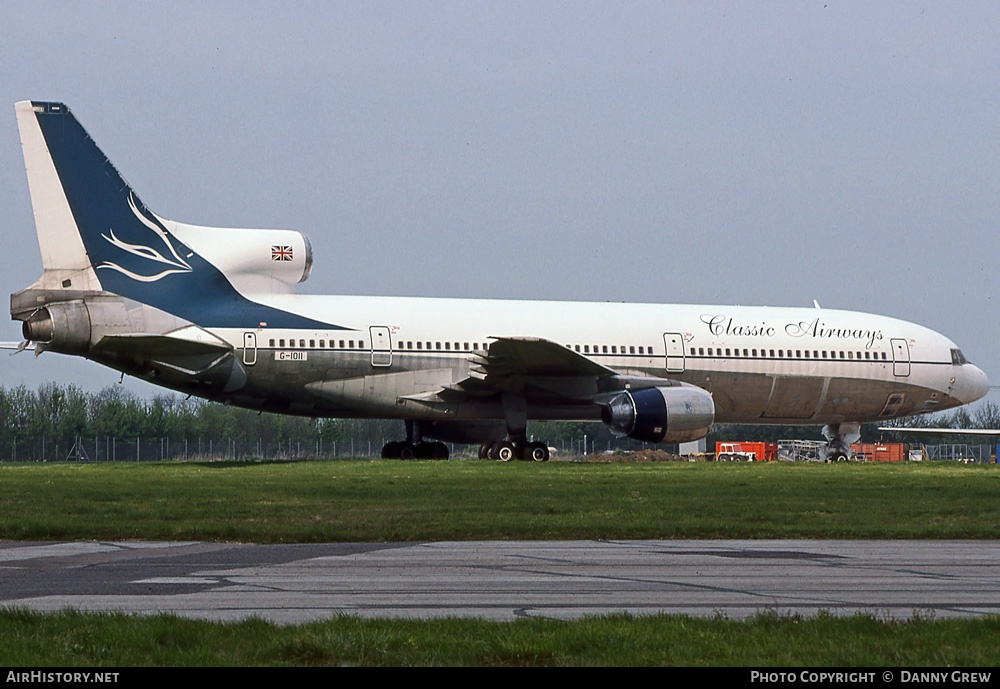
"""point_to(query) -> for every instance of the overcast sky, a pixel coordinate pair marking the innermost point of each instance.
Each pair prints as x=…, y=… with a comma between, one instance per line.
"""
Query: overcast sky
x=706, y=152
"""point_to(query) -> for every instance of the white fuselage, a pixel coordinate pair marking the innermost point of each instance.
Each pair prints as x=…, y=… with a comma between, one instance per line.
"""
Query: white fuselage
x=761, y=364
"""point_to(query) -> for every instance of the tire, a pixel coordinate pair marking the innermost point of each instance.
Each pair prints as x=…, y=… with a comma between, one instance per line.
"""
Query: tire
x=407, y=451
x=504, y=452
x=537, y=452
x=391, y=450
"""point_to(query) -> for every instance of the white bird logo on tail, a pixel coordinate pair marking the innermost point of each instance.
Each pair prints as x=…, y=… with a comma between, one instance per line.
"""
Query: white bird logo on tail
x=176, y=264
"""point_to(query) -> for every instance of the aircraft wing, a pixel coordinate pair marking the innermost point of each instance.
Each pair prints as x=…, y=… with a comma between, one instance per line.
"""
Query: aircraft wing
x=533, y=356
x=544, y=370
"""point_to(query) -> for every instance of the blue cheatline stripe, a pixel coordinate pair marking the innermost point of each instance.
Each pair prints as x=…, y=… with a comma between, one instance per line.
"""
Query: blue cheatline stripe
x=135, y=255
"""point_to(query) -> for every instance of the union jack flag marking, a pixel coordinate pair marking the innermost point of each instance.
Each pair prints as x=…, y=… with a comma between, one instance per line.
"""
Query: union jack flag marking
x=281, y=253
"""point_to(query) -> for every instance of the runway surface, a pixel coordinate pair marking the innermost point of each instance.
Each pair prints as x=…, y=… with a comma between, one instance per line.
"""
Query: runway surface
x=506, y=580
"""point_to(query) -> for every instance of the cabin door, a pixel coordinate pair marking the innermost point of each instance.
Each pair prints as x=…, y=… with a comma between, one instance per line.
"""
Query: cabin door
x=381, y=345
x=249, y=348
x=675, y=352
x=900, y=358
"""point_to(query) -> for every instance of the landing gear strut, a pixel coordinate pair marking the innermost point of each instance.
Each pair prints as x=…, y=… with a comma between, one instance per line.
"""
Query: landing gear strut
x=515, y=445
x=838, y=441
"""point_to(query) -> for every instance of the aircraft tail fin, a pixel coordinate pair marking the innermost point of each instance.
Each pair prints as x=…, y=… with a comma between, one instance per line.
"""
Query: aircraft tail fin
x=64, y=256
x=95, y=234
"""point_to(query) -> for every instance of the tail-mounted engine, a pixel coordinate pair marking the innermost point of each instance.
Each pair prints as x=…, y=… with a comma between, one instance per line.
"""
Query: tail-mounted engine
x=661, y=415
x=62, y=327
x=270, y=261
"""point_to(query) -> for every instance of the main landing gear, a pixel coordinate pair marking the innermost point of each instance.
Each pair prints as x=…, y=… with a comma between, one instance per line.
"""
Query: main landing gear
x=506, y=450
x=405, y=449
x=516, y=445
x=414, y=447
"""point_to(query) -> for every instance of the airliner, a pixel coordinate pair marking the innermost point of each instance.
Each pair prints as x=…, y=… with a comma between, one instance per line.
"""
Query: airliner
x=213, y=312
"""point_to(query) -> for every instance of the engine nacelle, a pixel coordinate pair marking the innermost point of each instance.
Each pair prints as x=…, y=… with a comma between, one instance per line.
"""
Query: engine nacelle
x=661, y=415
x=253, y=260
x=62, y=327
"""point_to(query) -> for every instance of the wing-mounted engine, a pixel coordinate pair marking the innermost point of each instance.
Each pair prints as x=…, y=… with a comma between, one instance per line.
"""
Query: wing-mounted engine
x=254, y=261
x=661, y=415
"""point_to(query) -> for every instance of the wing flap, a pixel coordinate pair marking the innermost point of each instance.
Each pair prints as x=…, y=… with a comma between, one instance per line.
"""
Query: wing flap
x=532, y=356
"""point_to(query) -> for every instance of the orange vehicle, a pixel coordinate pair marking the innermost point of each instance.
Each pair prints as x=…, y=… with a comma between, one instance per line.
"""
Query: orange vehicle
x=746, y=452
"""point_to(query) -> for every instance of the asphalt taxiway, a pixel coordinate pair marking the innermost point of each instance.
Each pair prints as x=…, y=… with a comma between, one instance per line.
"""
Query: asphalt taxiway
x=291, y=584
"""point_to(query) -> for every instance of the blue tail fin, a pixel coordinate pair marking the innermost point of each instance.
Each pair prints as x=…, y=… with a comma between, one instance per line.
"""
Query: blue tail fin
x=95, y=234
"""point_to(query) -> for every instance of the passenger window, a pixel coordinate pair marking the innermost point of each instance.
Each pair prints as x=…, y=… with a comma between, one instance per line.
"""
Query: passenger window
x=271, y=343
x=282, y=342
x=586, y=349
x=631, y=350
x=312, y=344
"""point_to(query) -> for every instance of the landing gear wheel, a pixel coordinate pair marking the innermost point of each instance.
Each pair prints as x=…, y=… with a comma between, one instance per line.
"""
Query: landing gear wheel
x=503, y=451
x=407, y=450
x=537, y=452
x=391, y=450
x=438, y=451
x=484, y=450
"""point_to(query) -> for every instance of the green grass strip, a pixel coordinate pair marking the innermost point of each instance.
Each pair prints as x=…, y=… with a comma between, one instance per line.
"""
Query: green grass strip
x=383, y=501
x=72, y=639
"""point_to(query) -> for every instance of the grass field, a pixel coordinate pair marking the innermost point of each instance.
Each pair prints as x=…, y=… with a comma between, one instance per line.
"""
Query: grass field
x=464, y=500
x=468, y=500
x=73, y=639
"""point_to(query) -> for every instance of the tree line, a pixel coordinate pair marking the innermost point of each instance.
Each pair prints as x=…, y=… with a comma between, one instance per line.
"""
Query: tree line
x=65, y=412
x=62, y=414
